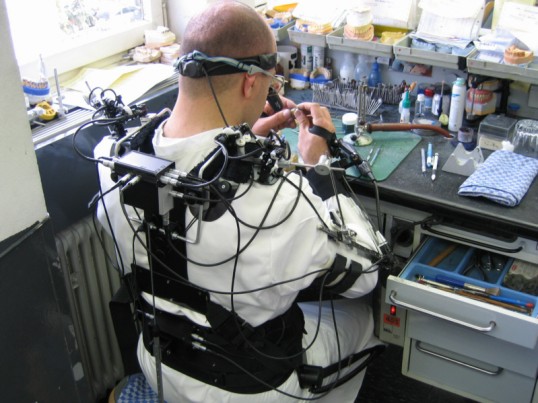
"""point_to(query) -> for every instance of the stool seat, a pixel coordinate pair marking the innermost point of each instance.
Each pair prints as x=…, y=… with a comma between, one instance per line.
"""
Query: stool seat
x=133, y=389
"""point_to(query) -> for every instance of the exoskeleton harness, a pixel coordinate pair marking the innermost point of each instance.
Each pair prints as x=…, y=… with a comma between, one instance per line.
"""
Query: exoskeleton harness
x=230, y=353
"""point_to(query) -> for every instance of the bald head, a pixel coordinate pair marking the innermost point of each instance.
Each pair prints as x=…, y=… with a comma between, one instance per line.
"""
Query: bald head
x=228, y=28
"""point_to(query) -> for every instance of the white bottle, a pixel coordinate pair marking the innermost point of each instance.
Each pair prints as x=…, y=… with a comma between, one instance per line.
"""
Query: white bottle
x=347, y=71
x=457, y=105
x=419, y=106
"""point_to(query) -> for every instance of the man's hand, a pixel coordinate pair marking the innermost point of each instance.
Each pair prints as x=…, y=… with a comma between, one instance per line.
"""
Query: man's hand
x=275, y=120
x=311, y=147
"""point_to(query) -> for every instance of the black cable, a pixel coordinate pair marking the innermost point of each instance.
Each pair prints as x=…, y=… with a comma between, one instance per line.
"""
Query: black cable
x=215, y=96
x=112, y=234
x=285, y=218
x=184, y=281
x=378, y=207
x=257, y=230
x=100, y=122
x=216, y=177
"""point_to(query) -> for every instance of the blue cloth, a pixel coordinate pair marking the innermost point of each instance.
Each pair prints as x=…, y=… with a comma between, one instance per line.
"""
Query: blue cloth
x=505, y=177
x=137, y=390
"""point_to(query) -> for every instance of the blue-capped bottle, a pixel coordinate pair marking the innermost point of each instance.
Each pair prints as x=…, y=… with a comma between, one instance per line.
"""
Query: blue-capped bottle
x=375, y=75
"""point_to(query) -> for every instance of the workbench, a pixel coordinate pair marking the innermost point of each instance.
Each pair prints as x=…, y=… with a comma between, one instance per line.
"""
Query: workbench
x=468, y=347
x=408, y=187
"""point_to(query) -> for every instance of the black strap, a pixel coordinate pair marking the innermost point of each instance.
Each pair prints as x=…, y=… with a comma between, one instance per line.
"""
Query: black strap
x=121, y=312
x=352, y=274
x=171, y=288
x=280, y=337
x=371, y=352
x=320, y=131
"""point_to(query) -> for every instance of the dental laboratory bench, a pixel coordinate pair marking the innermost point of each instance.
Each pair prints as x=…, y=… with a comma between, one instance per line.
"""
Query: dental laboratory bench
x=462, y=300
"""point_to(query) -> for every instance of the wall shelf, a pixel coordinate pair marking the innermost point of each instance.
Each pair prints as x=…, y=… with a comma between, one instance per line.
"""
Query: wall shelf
x=337, y=41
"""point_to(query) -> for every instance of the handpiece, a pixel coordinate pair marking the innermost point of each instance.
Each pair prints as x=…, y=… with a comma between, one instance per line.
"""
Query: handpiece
x=274, y=100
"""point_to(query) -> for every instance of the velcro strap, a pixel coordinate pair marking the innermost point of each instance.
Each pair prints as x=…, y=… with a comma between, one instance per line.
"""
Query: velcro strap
x=320, y=131
x=352, y=274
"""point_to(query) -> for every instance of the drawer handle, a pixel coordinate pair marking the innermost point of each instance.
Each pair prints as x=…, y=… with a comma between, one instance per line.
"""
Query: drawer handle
x=472, y=242
x=464, y=364
x=488, y=328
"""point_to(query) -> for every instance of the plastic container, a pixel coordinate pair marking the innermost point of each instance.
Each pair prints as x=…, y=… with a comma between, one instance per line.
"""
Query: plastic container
x=362, y=69
x=349, y=121
x=375, y=76
x=307, y=57
x=525, y=138
x=318, y=57
x=436, y=104
x=428, y=99
x=347, y=71
x=457, y=105
x=405, y=115
x=419, y=106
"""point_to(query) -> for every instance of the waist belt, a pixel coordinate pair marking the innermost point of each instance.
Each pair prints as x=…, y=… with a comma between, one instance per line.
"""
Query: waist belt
x=230, y=355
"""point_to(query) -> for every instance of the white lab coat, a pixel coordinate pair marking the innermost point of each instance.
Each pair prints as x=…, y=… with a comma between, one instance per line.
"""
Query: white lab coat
x=289, y=251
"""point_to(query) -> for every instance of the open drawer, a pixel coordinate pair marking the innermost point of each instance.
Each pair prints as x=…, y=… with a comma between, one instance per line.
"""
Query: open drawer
x=464, y=264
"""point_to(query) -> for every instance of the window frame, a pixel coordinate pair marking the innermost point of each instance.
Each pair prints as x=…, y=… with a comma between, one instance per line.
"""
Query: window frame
x=93, y=50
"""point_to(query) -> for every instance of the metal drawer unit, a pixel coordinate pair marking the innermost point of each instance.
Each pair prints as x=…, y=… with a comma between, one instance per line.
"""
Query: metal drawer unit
x=470, y=347
x=466, y=362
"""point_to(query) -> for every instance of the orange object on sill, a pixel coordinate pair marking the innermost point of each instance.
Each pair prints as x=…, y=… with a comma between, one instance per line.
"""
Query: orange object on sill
x=285, y=7
x=516, y=56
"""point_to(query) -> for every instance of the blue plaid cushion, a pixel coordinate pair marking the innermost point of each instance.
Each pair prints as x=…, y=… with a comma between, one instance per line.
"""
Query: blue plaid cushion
x=505, y=177
x=137, y=390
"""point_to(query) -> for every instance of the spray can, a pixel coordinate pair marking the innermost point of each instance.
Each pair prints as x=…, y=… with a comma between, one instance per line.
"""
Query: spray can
x=457, y=105
x=405, y=115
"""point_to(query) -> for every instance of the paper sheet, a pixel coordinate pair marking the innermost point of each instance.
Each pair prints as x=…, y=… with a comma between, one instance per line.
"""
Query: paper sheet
x=452, y=20
x=520, y=21
x=395, y=13
x=320, y=11
x=131, y=82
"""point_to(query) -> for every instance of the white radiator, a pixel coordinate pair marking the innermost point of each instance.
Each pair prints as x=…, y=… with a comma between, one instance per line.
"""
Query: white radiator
x=91, y=280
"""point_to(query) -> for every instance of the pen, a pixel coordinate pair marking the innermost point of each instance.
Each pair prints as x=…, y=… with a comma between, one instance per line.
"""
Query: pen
x=429, y=157
x=375, y=156
x=369, y=154
x=423, y=157
x=435, y=161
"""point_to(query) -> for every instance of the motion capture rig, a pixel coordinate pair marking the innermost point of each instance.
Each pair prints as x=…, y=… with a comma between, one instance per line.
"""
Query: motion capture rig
x=164, y=194
x=154, y=185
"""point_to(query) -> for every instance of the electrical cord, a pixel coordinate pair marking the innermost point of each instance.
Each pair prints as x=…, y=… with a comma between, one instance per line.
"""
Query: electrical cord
x=182, y=280
x=284, y=219
x=100, y=122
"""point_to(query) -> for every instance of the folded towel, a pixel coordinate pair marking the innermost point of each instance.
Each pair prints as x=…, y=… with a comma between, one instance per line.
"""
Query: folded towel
x=504, y=177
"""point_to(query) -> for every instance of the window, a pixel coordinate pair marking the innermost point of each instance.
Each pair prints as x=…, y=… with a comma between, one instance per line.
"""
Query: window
x=72, y=33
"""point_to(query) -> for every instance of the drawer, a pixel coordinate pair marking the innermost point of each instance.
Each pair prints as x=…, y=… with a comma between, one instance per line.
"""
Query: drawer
x=482, y=317
x=465, y=376
x=490, y=352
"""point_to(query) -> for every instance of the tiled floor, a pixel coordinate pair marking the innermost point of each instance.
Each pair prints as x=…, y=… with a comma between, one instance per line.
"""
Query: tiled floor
x=384, y=383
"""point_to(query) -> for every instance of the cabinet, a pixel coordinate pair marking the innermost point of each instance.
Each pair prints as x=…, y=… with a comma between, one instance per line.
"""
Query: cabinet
x=470, y=347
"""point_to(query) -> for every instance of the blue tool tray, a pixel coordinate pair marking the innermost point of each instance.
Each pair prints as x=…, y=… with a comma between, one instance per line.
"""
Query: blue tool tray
x=458, y=265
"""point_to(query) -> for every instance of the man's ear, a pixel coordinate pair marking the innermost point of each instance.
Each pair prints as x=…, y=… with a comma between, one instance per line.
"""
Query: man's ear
x=249, y=81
